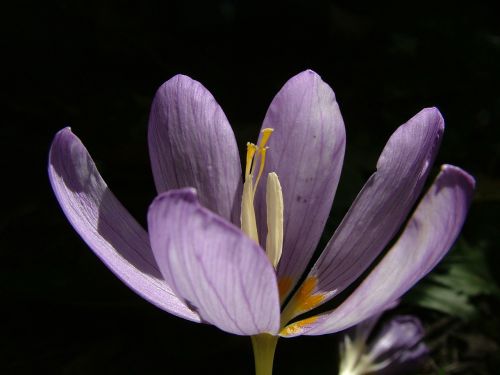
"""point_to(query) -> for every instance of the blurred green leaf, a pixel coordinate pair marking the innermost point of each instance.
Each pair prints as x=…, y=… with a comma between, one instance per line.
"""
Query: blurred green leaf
x=463, y=275
x=443, y=299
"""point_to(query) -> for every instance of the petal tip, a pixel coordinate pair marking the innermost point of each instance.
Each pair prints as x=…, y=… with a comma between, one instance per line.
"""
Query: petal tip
x=63, y=133
x=448, y=168
x=307, y=76
x=62, y=144
x=311, y=73
x=188, y=194
x=181, y=78
x=308, y=81
x=69, y=160
x=66, y=129
x=174, y=83
x=435, y=116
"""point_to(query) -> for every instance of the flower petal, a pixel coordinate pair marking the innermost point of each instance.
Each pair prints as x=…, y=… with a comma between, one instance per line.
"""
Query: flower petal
x=381, y=207
x=224, y=275
x=306, y=151
x=427, y=237
x=191, y=144
x=397, y=337
x=105, y=225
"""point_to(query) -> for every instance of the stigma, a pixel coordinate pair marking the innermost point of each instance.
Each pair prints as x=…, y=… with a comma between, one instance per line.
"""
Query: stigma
x=254, y=168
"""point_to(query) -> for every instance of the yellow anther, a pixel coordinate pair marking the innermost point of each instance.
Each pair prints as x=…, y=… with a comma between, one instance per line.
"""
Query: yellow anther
x=251, y=150
x=266, y=133
x=254, y=168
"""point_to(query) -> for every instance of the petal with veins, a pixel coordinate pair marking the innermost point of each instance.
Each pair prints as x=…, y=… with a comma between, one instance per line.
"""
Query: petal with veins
x=306, y=151
x=191, y=144
x=382, y=206
x=220, y=272
x=427, y=237
x=105, y=225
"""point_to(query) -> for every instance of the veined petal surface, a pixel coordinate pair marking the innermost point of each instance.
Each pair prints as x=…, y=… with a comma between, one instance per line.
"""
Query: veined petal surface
x=382, y=205
x=306, y=151
x=105, y=225
x=191, y=144
x=219, y=271
x=427, y=237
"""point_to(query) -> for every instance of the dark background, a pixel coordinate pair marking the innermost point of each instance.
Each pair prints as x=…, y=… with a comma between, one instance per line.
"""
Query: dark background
x=95, y=66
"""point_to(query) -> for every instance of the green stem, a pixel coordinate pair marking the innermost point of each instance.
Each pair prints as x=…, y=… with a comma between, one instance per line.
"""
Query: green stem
x=264, y=346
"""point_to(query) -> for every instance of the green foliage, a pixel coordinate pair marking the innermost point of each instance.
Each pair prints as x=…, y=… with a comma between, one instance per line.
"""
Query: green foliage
x=463, y=276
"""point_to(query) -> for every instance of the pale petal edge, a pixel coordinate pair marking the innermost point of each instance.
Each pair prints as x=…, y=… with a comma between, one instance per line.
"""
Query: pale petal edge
x=105, y=225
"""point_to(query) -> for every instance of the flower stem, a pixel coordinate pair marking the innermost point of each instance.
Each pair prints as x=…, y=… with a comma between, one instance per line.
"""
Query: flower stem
x=264, y=346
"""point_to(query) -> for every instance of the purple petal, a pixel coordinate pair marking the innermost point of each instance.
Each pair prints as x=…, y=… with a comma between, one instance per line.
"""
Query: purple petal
x=191, y=144
x=105, y=225
x=427, y=237
x=219, y=271
x=307, y=152
x=381, y=207
x=401, y=334
x=400, y=343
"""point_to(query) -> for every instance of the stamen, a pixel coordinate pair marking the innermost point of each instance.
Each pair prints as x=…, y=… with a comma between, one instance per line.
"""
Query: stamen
x=262, y=162
x=248, y=221
x=259, y=153
x=251, y=149
x=256, y=154
x=274, y=203
x=266, y=133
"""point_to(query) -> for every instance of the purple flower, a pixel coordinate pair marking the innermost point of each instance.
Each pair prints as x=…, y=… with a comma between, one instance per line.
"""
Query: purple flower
x=195, y=261
x=396, y=348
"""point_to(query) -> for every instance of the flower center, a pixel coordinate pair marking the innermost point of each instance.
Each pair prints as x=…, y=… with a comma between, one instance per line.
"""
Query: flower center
x=255, y=161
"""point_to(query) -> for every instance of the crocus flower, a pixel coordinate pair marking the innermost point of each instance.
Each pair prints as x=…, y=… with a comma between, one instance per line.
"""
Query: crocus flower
x=397, y=347
x=229, y=252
